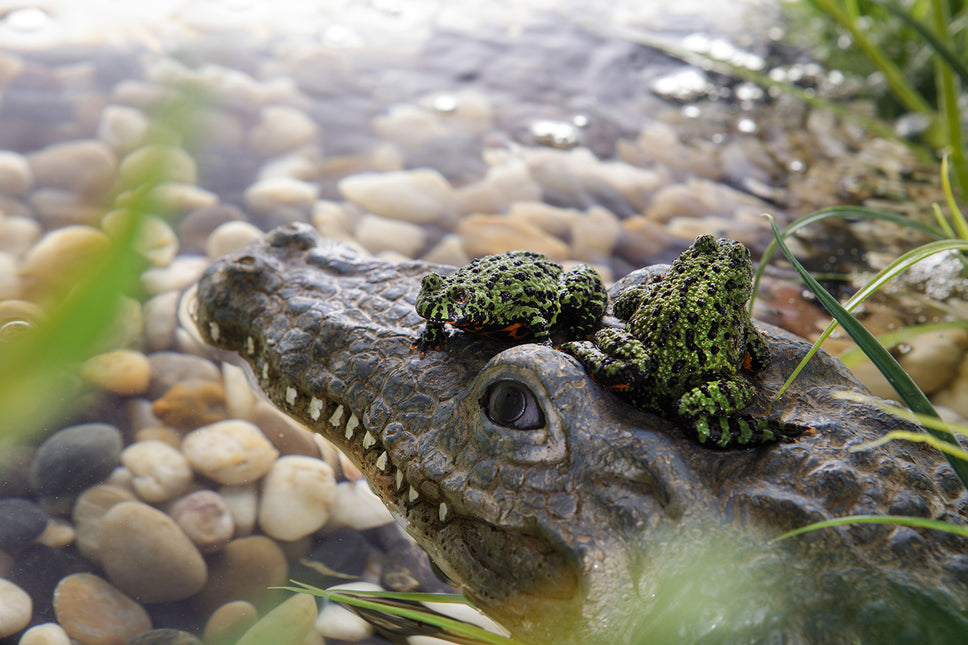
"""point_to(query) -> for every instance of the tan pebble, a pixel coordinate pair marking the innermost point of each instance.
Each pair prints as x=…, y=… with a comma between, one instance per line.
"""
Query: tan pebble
x=409, y=126
x=84, y=167
x=16, y=608
x=94, y=612
x=594, y=234
x=379, y=234
x=191, y=404
x=240, y=399
x=56, y=207
x=9, y=280
x=160, y=472
x=122, y=128
x=290, y=622
x=281, y=128
x=58, y=534
x=54, y=261
x=88, y=513
x=450, y=250
x=229, y=237
x=244, y=570
x=171, y=368
x=160, y=321
x=205, y=518
x=297, y=495
x=550, y=219
x=227, y=623
x=179, y=198
x=488, y=234
x=954, y=395
x=288, y=436
x=932, y=360
x=182, y=272
x=169, y=162
x=162, y=433
x=243, y=503
x=20, y=311
x=356, y=506
x=266, y=195
x=332, y=220
x=125, y=372
x=18, y=234
x=420, y=196
x=230, y=452
x=641, y=240
x=302, y=164
x=503, y=186
x=155, y=241
x=339, y=623
x=16, y=177
x=146, y=555
x=45, y=634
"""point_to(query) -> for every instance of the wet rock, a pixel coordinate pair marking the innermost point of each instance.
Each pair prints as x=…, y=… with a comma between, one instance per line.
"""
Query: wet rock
x=94, y=612
x=74, y=458
x=281, y=129
x=16, y=176
x=488, y=234
x=124, y=372
x=205, y=518
x=271, y=194
x=16, y=608
x=297, y=495
x=191, y=404
x=243, y=503
x=146, y=555
x=122, y=128
x=21, y=522
x=290, y=622
x=54, y=260
x=378, y=234
x=88, y=514
x=165, y=636
x=85, y=167
x=336, y=557
x=230, y=452
x=339, y=623
x=229, y=237
x=244, y=570
x=357, y=507
x=180, y=274
x=227, y=623
x=45, y=634
x=160, y=321
x=419, y=196
x=172, y=162
x=160, y=472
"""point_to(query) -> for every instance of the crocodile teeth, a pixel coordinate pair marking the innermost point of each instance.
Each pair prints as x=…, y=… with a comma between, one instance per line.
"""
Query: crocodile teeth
x=337, y=416
x=290, y=395
x=399, y=479
x=315, y=408
x=442, y=511
x=381, y=461
x=368, y=440
x=351, y=425
x=412, y=495
x=250, y=346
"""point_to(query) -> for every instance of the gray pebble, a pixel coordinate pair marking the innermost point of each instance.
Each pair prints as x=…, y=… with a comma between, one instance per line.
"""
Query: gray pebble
x=74, y=458
x=21, y=522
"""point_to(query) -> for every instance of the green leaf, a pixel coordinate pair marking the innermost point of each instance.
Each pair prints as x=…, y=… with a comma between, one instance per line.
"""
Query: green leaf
x=917, y=522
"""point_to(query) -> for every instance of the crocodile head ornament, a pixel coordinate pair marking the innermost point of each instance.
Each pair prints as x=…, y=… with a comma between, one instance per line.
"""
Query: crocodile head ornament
x=554, y=505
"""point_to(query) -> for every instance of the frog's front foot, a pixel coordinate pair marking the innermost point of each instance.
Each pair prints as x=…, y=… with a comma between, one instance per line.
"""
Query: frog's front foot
x=431, y=339
x=742, y=430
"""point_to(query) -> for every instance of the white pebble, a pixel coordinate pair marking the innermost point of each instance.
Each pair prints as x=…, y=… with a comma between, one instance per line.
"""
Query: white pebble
x=16, y=177
x=123, y=128
x=160, y=472
x=172, y=163
x=420, y=196
x=229, y=237
x=280, y=130
x=266, y=195
x=357, y=507
x=243, y=503
x=16, y=608
x=230, y=452
x=378, y=234
x=297, y=495
x=339, y=623
x=45, y=634
x=239, y=397
x=179, y=197
x=181, y=273
x=18, y=233
x=9, y=280
x=160, y=320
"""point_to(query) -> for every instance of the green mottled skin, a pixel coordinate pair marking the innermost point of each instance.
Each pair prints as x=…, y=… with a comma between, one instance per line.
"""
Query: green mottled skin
x=518, y=295
x=687, y=336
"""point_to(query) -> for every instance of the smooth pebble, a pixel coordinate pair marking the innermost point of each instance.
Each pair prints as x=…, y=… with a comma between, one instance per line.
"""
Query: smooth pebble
x=230, y=452
x=191, y=404
x=89, y=510
x=165, y=636
x=159, y=471
x=56, y=258
x=75, y=458
x=297, y=495
x=244, y=570
x=84, y=167
x=161, y=321
x=290, y=622
x=21, y=522
x=932, y=360
x=339, y=623
x=240, y=399
x=18, y=234
x=266, y=195
x=205, y=518
x=378, y=234
x=45, y=634
x=243, y=503
x=420, y=196
x=180, y=274
x=58, y=534
x=125, y=372
x=281, y=129
x=486, y=234
x=94, y=612
x=16, y=608
x=227, y=623
x=122, y=128
x=155, y=241
x=176, y=164
x=170, y=368
x=145, y=554
x=356, y=506
x=229, y=237
x=16, y=176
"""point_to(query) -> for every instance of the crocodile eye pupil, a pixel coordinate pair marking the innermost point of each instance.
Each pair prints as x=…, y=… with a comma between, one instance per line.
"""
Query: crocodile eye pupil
x=512, y=404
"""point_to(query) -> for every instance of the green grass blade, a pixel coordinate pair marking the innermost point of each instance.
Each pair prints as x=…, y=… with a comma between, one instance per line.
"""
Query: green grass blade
x=854, y=356
x=841, y=212
x=450, y=625
x=917, y=522
x=906, y=388
x=919, y=437
x=949, y=195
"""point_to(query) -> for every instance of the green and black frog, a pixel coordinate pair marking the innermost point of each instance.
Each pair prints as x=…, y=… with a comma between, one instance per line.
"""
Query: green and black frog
x=519, y=295
x=687, y=336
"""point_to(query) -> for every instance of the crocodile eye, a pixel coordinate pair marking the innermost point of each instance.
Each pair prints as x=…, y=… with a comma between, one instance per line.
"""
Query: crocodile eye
x=513, y=405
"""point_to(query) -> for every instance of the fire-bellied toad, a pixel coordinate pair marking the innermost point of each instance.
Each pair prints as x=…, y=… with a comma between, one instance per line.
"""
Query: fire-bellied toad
x=518, y=294
x=687, y=335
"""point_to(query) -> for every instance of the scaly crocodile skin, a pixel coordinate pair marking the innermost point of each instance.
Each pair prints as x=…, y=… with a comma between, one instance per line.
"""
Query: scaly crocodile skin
x=572, y=517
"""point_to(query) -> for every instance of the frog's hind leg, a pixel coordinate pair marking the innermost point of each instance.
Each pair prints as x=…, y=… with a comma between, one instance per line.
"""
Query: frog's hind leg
x=741, y=430
x=614, y=359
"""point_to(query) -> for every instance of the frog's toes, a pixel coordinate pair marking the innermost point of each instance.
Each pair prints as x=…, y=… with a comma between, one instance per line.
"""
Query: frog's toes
x=741, y=430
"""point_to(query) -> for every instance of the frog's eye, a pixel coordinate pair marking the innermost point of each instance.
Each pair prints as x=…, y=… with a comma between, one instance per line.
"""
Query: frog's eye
x=459, y=296
x=512, y=404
